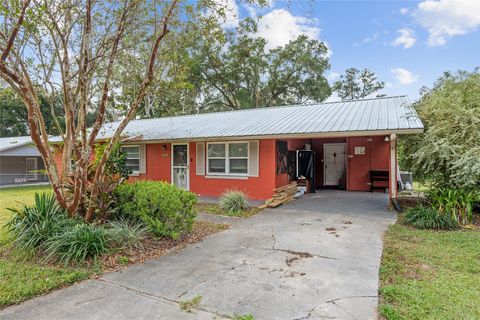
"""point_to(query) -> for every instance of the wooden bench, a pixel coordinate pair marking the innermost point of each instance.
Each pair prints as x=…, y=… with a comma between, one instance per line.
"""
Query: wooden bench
x=378, y=176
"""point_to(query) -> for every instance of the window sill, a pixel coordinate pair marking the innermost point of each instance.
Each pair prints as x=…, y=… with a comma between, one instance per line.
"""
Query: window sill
x=226, y=176
x=134, y=174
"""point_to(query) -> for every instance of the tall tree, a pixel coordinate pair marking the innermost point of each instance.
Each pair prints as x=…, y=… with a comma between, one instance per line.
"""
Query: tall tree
x=71, y=48
x=213, y=69
x=356, y=84
x=237, y=71
x=14, y=115
x=448, y=152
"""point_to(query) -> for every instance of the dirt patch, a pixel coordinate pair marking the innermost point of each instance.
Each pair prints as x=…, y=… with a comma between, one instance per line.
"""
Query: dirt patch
x=290, y=261
x=154, y=247
x=331, y=229
x=347, y=222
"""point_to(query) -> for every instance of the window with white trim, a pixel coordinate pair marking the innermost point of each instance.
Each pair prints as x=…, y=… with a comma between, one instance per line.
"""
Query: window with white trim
x=227, y=158
x=132, y=154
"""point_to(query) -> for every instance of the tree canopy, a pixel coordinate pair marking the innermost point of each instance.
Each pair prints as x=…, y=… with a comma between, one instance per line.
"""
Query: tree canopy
x=448, y=152
x=212, y=69
x=356, y=84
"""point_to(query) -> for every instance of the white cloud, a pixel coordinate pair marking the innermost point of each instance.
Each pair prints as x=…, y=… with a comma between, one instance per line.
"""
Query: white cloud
x=406, y=38
x=333, y=76
x=403, y=76
x=231, y=11
x=447, y=18
x=279, y=27
x=403, y=11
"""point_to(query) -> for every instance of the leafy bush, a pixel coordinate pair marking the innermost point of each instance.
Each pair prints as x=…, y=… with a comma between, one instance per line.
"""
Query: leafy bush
x=429, y=218
x=78, y=243
x=457, y=203
x=165, y=209
x=33, y=225
x=233, y=201
x=447, y=152
x=123, y=233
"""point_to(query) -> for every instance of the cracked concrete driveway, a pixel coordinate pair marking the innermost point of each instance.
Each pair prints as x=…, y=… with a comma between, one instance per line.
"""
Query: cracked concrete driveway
x=315, y=258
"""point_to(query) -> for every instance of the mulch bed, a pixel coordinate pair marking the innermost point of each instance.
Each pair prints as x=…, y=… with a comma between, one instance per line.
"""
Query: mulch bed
x=154, y=247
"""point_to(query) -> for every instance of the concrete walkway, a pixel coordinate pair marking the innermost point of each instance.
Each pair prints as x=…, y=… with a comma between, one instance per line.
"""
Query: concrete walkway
x=314, y=258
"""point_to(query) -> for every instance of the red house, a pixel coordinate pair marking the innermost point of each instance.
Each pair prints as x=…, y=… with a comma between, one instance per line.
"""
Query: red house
x=247, y=149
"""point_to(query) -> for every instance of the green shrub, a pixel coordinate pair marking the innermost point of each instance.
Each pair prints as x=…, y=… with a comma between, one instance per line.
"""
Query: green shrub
x=429, y=218
x=78, y=243
x=33, y=225
x=457, y=203
x=126, y=234
x=233, y=201
x=167, y=210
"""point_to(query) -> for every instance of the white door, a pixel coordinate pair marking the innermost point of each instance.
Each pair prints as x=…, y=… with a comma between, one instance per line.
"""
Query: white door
x=334, y=157
x=180, y=166
x=31, y=169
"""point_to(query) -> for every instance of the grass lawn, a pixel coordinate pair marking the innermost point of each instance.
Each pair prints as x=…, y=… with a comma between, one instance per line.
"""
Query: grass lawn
x=22, y=278
x=430, y=274
x=213, y=208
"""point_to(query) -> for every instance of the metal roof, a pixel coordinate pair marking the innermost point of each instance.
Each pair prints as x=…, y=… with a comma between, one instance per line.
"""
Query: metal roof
x=14, y=142
x=356, y=117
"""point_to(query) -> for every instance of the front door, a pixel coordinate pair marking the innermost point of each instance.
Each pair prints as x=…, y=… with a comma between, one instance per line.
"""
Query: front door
x=180, y=166
x=31, y=169
x=334, y=157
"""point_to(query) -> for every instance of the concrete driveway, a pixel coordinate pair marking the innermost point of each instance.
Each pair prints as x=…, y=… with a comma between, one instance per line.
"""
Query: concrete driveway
x=315, y=258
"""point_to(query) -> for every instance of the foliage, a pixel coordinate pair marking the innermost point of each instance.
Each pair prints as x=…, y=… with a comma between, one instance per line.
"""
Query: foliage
x=455, y=203
x=217, y=69
x=13, y=122
x=188, y=305
x=78, y=243
x=167, y=210
x=430, y=275
x=126, y=234
x=356, y=84
x=429, y=218
x=447, y=152
x=33, y=225
x=116, y=163
x=80, y=72
x=243, y=317
x=233, y=201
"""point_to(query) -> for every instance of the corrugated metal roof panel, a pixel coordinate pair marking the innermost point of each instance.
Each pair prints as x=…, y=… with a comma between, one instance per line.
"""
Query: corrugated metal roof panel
x=14, y=142
x=390, y=114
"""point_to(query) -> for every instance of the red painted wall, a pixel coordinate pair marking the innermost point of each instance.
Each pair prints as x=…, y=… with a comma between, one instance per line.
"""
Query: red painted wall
x=258, y=188
x=376, y=157
x=158, y=164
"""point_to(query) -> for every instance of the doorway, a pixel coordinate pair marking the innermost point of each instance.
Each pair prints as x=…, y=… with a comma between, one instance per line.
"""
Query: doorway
x=334, y=164
x=180, y=166
x=31, y=169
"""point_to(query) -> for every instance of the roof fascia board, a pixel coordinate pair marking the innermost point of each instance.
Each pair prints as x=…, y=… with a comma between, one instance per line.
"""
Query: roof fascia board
x=283, y=136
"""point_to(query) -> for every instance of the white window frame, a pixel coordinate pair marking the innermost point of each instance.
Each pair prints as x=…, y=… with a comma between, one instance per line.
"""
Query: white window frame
x=227, y=159
x=137, y=172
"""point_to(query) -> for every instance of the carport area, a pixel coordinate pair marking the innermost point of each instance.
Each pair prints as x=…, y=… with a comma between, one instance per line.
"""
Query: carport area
x=316, y=258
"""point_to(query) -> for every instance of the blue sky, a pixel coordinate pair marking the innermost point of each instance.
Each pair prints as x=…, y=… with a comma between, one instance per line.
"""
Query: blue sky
x=407, y=43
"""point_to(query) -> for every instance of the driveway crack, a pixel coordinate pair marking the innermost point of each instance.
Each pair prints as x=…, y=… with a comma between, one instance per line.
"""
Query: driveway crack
x=159, y=298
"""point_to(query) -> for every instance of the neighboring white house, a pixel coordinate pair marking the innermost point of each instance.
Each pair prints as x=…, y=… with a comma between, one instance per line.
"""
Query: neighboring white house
x=20, y=162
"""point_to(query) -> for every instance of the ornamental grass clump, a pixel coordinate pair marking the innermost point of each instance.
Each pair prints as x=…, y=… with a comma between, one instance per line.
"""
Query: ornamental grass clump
x=233, y=201
x=429, y=218
x=77, y=244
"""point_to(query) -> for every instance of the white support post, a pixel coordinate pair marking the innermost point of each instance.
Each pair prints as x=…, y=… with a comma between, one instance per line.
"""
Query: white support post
x=393, y=167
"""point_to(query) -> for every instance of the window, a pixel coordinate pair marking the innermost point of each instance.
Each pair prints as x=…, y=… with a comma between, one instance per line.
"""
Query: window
x=133, y=158
x=227, y=158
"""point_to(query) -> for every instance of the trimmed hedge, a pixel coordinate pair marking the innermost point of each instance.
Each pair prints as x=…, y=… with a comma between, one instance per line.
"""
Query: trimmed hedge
x=167, y=210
